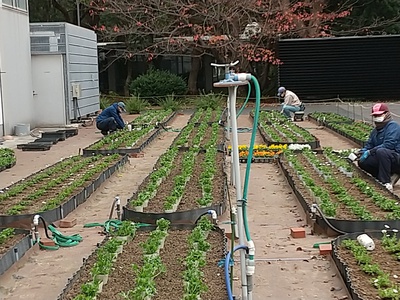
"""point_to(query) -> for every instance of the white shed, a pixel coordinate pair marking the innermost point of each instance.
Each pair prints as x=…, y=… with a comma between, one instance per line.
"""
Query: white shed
x=16, y=104
x=64, y=73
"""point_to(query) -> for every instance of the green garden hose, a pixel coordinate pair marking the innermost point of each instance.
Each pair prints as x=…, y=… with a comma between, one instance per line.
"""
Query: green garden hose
x=316, y=245
x=61, y=240
x=113, y=223
x=245, y=102
x=249, y=159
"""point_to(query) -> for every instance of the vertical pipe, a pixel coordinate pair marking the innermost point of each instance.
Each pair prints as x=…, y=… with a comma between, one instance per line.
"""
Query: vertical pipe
x=228, y=138
x=236, y=166
x=1, y=105
x=78, y=12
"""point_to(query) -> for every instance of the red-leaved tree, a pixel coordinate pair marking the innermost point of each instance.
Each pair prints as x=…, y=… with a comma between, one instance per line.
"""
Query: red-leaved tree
x=246, y=30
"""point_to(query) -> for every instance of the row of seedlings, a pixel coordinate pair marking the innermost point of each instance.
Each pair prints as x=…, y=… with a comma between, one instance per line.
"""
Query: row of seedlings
x=357, y=131
x=143, y=128
x=94, y=274
x=172, y=263
x=340, y=189
x=278, y=132
x=7, y=158
x=48, y=188
x=373, y=273
x=179, y=188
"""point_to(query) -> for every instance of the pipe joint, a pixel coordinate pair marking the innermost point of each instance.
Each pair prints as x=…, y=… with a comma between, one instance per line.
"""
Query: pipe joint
x=250, y=267
x=242, y=77
x=213, y=214
x=252, y=248
x=314, y=208
x=36, y=220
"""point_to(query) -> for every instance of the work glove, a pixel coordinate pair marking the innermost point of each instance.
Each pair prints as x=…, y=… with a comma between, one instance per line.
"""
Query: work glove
x=364, y=156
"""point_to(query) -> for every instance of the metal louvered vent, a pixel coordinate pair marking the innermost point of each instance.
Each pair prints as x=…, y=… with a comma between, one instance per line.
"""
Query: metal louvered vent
x=345, y=67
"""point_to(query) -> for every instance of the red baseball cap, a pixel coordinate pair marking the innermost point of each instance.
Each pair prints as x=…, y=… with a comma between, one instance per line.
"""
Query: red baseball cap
x=379, y=108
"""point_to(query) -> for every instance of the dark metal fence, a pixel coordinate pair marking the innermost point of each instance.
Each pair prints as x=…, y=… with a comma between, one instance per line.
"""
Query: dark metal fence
x=345, y=67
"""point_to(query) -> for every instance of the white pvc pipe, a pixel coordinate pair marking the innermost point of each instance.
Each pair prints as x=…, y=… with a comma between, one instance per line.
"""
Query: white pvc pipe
x=238, y=186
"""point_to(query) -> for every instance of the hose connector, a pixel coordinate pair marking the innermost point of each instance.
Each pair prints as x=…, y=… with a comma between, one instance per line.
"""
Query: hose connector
x=242, y=77
x=36, y=220
x=252, y=249
x=117, y=201
x=250, y=263
x=314, y=208
x=213, y=214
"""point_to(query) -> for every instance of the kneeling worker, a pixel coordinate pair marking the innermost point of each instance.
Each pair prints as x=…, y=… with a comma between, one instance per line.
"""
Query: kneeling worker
x=110, y=119
x=381, y=155
x=291, y=102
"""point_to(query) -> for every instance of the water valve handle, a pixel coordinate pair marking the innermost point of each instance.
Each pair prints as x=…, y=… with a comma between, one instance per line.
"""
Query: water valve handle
x=225, y=65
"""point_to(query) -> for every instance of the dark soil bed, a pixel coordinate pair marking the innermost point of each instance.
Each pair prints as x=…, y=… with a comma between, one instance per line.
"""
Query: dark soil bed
x=169, y=284
x=193, y=189
x=342, y=211
x=139, y=142
x=34, y=203
x=10, y=243
x=362, y=282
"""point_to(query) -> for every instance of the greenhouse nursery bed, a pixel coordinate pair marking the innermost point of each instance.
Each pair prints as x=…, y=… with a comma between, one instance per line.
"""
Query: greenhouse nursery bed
x=369, y=274
x=355, y=131
x=348, y=199
x=144, y=264
x=174, y=186
x=57, y=190
x=14, y=243
x=145, y=129
x=275, y=129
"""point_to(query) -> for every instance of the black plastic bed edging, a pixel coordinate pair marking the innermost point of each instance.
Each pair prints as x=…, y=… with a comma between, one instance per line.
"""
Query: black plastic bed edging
x=260, y=159
x=89, y=152
x=178, y=217
x=220, y=148
x=347, y=226
x=16, y=251
x=77, y=274
x=60, y=212
x=341, y=265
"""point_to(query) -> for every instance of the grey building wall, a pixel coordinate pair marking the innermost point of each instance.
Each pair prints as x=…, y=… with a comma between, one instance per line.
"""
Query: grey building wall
x=15, y=68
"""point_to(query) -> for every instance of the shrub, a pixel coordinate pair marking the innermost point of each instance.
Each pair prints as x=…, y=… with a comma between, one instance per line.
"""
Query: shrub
x=170, y=102
x=105, y=102
x=134, y=105
x=209, y=100
x=156, y=83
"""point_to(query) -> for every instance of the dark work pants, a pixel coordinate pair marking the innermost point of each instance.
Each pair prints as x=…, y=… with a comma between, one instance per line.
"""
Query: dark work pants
x=382, y=164
x=108, y=124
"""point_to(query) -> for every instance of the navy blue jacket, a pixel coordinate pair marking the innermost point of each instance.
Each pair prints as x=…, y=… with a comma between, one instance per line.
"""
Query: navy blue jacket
x=112, y=111
x=387, y=137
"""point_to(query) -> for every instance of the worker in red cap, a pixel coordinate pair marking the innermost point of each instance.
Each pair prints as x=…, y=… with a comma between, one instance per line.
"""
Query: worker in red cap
x=381, y=154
